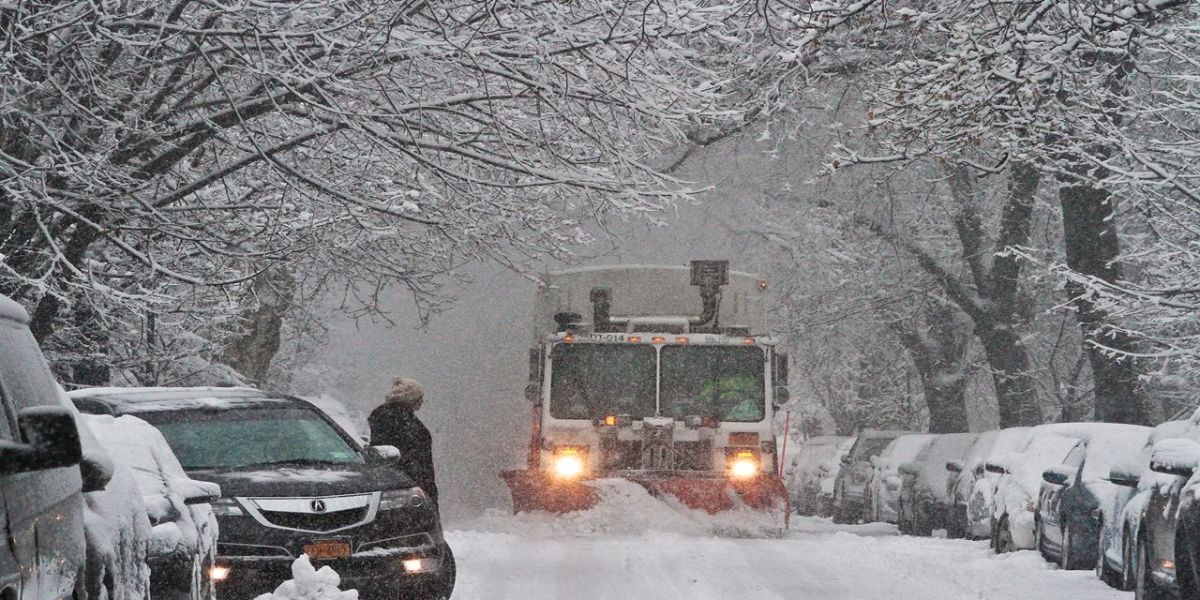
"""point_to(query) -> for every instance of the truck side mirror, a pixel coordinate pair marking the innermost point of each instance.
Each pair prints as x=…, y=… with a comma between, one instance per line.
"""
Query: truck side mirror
x=781, y=369
x=51, y=441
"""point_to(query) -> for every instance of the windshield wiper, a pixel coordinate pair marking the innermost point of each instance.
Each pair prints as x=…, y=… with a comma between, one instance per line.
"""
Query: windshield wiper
x=297, y=461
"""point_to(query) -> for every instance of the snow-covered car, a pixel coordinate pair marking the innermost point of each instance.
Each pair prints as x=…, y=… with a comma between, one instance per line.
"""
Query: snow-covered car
x=116, y=527
x=1121, y=515
x=815, y=461
x=973, y=487
x=1165, y=543
x=1020, y=482
x=924, y=503
x=43, y=554
x=183, y=534
x=883, y=491
x=849, y=489
x=295, y=483
x=1067, y=527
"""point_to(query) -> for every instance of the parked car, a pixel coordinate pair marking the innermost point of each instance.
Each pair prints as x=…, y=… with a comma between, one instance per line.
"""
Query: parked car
x=293, y=482
x=183, y=538
x=1020, y=482
x=1164, y=558
x=1121, y=516
x=116, y=527
x=816, y=460
x=973, y=487
x=849, y=489
x=1067, y=526
x=883, y=490
x=924, y=502
x=41, y=487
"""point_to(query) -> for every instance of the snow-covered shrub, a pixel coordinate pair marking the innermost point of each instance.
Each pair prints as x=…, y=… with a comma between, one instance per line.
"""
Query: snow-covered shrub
x=309, y=583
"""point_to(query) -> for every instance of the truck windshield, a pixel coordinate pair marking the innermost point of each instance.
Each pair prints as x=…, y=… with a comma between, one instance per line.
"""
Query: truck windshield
x=589, y=381
x=713, y=381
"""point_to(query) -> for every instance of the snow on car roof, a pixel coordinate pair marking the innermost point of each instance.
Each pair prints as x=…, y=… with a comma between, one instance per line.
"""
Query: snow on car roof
x=9, y=309
x=167, y=398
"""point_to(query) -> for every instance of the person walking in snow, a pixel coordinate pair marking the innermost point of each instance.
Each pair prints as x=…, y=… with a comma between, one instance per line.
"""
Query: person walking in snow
x=395, y=423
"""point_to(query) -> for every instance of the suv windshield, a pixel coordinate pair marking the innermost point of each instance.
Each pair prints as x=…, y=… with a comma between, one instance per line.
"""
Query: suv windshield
x=591, y=381
x=713, y=381
x=213, y=439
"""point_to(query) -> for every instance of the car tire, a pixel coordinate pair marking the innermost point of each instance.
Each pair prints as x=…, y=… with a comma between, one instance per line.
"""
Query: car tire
x=1104, y=572
x=1039, y=540
x=1145, y=588
x=1068, y=558
x=1004, y=540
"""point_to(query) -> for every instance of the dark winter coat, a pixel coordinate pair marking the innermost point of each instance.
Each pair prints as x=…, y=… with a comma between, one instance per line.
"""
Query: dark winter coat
x=392, y=424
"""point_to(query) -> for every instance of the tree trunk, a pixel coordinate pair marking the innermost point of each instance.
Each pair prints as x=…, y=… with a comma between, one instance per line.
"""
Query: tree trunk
x=938, y=350
x=1092, y=249
x=1016, y=389
x=268, y=302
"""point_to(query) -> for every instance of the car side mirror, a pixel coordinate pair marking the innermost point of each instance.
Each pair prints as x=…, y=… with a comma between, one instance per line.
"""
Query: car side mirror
x=51, y=441
x=95, y=473
x=875, y=461
x=993, y=467
x=1122, y=478
x=533, y=392
x=1177, y=456
x=201, y=492
x=381, y=455
x=846, y=460
x=1056, y=476
x=908, y=469
x=954, y=466
x=782, y=396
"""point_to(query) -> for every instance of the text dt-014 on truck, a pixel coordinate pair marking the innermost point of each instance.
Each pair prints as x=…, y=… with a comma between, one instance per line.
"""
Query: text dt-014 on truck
x=662, y=375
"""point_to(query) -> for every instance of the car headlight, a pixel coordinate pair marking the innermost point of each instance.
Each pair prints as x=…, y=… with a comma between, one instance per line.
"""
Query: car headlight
x=227, y=507
x=402, y=498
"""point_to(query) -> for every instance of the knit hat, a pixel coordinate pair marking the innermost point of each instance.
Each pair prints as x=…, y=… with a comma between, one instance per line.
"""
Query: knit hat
x=405, y=391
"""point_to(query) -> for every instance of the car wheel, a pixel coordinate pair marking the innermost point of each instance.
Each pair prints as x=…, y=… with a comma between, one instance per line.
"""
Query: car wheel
x=1004, y=539
x=1039, y=540
x=1066, y=557
x=1145, y=588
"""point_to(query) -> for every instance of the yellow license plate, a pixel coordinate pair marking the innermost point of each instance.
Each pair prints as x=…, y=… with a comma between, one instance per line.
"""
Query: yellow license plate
x=326, y=550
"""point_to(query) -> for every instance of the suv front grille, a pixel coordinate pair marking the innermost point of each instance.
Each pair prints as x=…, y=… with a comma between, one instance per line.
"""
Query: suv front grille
x=315, y=522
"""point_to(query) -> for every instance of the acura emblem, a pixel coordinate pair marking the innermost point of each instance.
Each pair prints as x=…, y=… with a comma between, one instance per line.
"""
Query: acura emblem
x=318, y=506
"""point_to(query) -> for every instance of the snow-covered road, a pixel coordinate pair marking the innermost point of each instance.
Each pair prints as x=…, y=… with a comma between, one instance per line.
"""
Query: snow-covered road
x=601, y=557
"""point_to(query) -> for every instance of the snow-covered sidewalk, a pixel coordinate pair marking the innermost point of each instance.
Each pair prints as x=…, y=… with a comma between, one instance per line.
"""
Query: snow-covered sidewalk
x=539, y=557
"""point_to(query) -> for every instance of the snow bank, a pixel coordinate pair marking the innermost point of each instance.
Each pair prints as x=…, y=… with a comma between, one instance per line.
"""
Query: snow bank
x=626, y=508
x=308, y=583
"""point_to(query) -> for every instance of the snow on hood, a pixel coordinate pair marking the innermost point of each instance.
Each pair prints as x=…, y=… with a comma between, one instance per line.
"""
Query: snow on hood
x=1112, y=446
x=289, y=474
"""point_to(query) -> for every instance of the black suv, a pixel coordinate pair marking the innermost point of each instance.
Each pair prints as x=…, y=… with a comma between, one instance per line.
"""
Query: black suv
x=293, y=482
x=41, y=502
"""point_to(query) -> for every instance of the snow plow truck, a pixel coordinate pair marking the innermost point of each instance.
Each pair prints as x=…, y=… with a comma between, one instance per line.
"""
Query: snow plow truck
x=662, y=375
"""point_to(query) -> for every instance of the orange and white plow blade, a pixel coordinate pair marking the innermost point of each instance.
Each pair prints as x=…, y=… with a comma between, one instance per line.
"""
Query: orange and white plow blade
x=535, y=491
x=718, y=495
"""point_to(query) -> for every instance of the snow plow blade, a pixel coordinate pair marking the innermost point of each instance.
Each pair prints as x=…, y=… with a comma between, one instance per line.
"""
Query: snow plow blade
x=533, y=491
x=717, y=495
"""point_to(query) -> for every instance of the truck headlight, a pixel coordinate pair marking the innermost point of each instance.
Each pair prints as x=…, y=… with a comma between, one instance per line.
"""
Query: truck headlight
x=402, y=498
x=227, y=507
x=743, y=465
x=569, y=463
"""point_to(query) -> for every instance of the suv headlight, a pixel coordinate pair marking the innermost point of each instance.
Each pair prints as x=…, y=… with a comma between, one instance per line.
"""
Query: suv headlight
x=403, y=498
x=227, y=507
